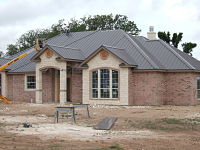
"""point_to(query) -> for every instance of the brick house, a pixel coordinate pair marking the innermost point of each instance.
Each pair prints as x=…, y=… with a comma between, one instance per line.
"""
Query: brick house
x=103, y=67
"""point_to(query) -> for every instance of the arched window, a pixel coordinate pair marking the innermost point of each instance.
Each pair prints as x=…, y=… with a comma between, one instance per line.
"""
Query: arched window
x=105, y=83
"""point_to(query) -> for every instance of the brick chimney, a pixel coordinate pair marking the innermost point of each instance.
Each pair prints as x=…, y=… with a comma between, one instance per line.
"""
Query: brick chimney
x=151, y=35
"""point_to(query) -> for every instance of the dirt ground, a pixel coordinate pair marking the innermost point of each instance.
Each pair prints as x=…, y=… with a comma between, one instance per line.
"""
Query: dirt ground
x=137, y=128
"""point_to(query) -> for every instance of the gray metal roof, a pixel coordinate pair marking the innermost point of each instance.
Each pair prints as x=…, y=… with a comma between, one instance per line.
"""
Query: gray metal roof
x=134, y=50
x=23, y=65
x=67, y=52
x=123, y=55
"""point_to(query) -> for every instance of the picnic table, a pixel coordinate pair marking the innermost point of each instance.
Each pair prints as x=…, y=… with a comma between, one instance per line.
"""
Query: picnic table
x=86, y=106
x=65, y=108
x=71, y=109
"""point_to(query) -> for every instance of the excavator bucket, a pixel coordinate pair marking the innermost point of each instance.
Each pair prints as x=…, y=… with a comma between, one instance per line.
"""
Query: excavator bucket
x=5, y=100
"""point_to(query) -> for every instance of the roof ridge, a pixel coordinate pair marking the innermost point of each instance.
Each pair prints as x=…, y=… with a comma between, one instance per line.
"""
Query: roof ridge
x=82, y=38
x=5, y=58
x=65, y=47
x=177, y=55
x=149, y=54
x=151, y=62
x=113, y=47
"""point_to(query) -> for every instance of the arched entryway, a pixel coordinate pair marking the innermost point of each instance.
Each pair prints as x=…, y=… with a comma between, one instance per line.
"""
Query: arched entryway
x=50, y=85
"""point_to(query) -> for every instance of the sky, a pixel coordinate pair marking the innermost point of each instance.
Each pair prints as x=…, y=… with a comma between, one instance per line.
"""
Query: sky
x=20, y=16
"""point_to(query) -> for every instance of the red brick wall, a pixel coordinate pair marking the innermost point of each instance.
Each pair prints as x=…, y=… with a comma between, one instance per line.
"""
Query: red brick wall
x=76, y=92
x=181, y=88
x=157, y=88
x=146, y=88
x=48, y=86
x=16, y=89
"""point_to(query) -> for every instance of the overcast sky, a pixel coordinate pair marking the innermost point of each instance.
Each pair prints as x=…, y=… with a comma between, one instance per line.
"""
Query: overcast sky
x=19, y=16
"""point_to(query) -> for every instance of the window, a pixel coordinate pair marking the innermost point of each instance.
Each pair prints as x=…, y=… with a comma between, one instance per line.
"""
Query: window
x=30, y=82
x=105, y=83
x=198, y=87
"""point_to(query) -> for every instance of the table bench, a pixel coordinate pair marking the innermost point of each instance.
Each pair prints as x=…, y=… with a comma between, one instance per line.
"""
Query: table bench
x=65, y=108
x=86, y=106
x=72, y=110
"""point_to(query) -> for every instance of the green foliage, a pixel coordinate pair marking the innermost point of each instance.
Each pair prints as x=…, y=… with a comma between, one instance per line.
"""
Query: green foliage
x=164, y=36
x=90, y=23
x=188, y=47
x=175, y=40
x=104, y=22
x=12, y=49
x=27, y=39
x=1, y=53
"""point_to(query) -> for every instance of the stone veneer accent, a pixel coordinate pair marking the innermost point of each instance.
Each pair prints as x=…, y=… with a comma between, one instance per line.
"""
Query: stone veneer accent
x=111, y=62
x=4, y=82
x=51, y=63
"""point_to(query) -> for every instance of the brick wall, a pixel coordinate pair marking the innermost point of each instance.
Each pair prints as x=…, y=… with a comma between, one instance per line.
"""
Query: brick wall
x=76, y=90
x=146, y=88
x=16, y=89
x=181, y=89
x=157, y=88
x=48, y=86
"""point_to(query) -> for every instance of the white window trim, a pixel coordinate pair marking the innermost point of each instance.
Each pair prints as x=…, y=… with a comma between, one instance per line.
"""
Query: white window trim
x=99, y=85
x=25, y=82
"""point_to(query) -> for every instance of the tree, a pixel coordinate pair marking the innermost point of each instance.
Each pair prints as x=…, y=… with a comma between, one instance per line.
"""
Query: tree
x=97, y=22
x=104, y=22
x=165, y=37
x=175, y=40
x=188, y=47
x=12, y=49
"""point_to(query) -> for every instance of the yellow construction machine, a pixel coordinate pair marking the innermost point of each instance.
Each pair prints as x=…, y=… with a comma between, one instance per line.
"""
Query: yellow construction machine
x=36, y=47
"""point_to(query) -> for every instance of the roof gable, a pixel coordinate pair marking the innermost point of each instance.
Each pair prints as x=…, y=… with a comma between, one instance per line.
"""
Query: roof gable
x=119, y=53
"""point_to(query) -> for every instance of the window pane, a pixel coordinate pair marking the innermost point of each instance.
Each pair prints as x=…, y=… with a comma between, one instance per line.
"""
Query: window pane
x=94, y=93
x=105, y=78
x=114, y=79
x=198, y=93
x=95, y=79
x=105, y=93
x=114, y=93
x=31, y=82
x=198, y=83
x=30, y=78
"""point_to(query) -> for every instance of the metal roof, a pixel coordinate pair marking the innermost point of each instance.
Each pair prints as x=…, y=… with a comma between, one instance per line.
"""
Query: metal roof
x=67, y=52
x=134, y=50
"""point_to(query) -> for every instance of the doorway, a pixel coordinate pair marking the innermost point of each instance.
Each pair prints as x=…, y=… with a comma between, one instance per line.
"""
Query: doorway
x=57, y=86
x=69, y=90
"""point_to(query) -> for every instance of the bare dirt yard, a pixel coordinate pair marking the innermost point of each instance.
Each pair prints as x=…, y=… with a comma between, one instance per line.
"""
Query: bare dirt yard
x=137, y=128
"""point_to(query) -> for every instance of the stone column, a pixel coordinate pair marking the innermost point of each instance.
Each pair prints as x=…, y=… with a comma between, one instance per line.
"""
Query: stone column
x=4, y=84
x=38, y=95
x=63, y=86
